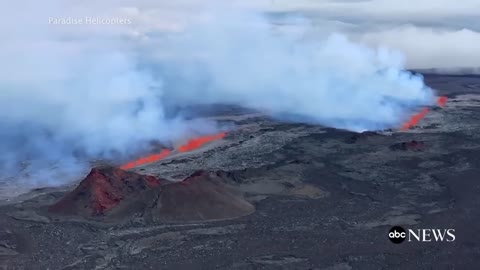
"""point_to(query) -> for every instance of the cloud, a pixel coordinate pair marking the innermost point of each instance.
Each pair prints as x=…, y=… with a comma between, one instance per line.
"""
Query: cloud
x=75, y=92
x=431, y=34
x=391, y=9
x=430, y=48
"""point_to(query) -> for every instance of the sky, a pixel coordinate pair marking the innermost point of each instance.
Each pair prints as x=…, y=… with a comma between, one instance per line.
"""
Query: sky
x=441, y=34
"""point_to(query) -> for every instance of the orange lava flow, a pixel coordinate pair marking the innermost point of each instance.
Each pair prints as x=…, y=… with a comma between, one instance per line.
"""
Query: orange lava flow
x=189, y=146
x=415, y=119
x=197, y=142
x=441, y=101
x=145, y=160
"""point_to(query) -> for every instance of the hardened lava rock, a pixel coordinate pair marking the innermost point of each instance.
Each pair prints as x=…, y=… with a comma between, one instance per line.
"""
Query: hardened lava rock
x=111, y=194
x=408, y=146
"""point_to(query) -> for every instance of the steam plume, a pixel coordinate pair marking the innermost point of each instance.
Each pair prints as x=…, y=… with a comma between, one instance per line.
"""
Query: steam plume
x=71, y=93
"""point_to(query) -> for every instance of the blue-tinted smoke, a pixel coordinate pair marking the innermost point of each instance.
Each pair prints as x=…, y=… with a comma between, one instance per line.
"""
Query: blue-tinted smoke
x=74, y=93
x=238, y=59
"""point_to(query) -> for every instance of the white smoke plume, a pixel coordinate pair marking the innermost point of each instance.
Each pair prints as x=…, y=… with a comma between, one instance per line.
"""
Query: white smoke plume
x=72, y=92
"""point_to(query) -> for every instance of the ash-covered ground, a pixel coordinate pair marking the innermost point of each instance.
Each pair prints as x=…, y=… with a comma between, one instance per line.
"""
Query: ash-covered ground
x=323, y=199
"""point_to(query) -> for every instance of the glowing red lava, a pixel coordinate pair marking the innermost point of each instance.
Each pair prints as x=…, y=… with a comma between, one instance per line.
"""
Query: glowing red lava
x=189, y=146
x=145, y=160
x=197, y=142
x=441, y=101
x=415, y=119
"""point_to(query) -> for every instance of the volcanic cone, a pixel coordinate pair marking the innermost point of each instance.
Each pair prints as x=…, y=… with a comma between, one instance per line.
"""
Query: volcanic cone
x=200, y=197
x=111, y=194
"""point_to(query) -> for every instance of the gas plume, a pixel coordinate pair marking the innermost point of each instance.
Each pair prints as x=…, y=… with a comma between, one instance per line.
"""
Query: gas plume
x=70, y=93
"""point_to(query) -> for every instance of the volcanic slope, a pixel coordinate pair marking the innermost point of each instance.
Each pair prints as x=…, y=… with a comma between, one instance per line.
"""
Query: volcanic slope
x=200, y=197
x=111, y=194
x=324, y=199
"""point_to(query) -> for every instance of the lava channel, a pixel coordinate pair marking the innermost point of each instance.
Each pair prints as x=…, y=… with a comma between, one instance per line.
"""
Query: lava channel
x=192, y=144
x=441, y=101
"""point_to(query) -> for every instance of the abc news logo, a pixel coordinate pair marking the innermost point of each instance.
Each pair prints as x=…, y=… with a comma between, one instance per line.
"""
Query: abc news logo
x=398, y=234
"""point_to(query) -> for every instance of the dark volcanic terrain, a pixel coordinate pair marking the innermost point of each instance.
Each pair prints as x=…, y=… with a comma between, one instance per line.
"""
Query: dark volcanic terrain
x=271, y=195
x=111, y=195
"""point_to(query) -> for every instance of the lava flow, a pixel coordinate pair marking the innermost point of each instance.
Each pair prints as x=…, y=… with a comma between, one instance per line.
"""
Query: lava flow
x=145, y=160
x=189, y=146
x=441, y=101
x=418, y=116
x=197, y=142
x=415, y=119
